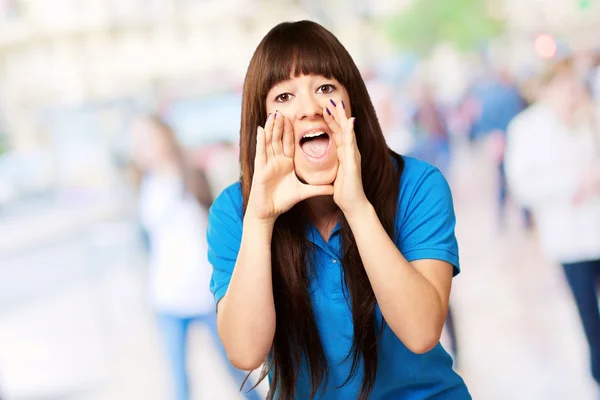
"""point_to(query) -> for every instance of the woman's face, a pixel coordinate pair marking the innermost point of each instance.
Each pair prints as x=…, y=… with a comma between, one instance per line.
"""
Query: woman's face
x=149, y=145
x=567, y=86
x=302, y=100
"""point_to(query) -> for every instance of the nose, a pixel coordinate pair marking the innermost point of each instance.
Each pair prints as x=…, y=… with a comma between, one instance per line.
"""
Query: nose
x=310, y=108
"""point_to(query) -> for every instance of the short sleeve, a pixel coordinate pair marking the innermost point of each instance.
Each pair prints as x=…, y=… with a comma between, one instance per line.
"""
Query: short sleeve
x=426, y=220
x=224, y=236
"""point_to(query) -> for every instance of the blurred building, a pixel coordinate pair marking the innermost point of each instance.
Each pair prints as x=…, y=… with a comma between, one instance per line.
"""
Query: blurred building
x=537, y=30
x=69, y=52
x=72, y=52
x=73, y=71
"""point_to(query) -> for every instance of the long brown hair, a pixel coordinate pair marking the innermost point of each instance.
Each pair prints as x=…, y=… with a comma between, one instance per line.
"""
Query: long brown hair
x=290, y=50
x=194, y=180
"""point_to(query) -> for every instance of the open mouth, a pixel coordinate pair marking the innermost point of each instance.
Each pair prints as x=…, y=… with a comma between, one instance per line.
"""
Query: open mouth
x=315, y=144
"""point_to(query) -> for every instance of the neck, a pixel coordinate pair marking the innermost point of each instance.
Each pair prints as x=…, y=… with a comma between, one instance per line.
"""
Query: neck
x=565, y=108
x=323, y=213
x=321, y=206
x=559, y=107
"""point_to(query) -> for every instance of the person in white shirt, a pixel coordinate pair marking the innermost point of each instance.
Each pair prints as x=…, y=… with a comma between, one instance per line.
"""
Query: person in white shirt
x=173, y=206
x=553, y=167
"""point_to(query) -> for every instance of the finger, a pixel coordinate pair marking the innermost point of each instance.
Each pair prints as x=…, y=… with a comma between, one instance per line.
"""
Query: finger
x=288, y=139
x=260, y=157
x=350, y=135
x=269, y=123
x=339, y=114
x=334, y=126
x=278, y=119
x=350, y=145
x=269, y=136
x=308, y=191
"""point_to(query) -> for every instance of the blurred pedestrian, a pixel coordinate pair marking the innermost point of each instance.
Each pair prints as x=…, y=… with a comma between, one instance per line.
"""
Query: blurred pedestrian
x=553, y=167
x=430, y=126
x=499, y=101
x=222, y=166
x=173, y=204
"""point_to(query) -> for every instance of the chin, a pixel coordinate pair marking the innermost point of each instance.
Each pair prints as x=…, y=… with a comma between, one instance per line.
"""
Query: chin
x=318, y=177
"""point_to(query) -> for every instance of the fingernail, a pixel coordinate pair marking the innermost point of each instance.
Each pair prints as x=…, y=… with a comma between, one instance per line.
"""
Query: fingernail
x=353, y=121
x=343, y=105
x=275, y=117
x=328, y=112
x=332, y=102
x=268, y=116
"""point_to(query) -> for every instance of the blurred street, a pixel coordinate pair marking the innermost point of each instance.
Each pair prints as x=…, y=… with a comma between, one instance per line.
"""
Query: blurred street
x=75, y=323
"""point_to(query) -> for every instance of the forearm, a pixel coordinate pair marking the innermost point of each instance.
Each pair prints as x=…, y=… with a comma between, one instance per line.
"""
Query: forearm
x=246, y=315
x=410, y=304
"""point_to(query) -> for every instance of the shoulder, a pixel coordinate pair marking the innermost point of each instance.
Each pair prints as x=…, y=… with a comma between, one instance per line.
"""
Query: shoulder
x=224, y=236
x=229, y=201
x=226, y=212
x=425, y=218
x=423, y=191
x=418, y=175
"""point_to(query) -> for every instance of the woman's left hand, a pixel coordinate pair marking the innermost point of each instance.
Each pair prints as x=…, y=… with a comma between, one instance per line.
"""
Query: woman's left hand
x=348, y=192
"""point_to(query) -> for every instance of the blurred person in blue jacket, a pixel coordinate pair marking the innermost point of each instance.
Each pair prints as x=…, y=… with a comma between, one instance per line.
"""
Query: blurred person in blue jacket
x=498, y=101
x=429, y=124
x=173, y=205
x=430, y=127
x=553, y=167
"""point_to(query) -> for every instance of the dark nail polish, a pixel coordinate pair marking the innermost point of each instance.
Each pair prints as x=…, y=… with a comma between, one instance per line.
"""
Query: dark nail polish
x=332, y=102
x=275, y=117
x=343, y=105
x=328, y=112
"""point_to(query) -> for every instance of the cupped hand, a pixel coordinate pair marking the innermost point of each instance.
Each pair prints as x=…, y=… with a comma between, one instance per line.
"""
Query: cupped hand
x=348, y=192
x=275, y=186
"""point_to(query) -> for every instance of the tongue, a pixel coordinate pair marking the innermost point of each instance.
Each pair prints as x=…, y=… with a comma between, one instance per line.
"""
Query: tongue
x=316, y=147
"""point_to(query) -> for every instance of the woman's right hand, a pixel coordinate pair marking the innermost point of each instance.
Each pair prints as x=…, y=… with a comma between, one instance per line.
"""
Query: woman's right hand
x=275, y=186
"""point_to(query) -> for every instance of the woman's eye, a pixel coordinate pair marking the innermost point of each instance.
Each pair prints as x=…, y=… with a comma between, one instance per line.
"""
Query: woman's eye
x=325, y=89
x=283, y=97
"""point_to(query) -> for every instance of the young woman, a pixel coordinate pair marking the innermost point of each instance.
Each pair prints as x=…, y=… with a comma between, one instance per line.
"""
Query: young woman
x=333, y=257
x=173, y=204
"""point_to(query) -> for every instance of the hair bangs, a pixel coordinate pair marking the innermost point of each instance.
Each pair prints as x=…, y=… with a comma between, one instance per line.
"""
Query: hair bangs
x=305, y=51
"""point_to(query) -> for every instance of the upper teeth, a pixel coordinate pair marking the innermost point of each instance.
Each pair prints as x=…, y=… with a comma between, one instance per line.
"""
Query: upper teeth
x=309, y=135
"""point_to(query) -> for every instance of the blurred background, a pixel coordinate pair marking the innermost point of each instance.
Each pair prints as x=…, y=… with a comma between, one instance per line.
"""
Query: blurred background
x=75, y=319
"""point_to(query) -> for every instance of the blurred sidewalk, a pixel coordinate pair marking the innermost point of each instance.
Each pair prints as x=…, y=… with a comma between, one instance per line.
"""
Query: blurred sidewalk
x=74, y=322
x=518, y=327
x=26, y=225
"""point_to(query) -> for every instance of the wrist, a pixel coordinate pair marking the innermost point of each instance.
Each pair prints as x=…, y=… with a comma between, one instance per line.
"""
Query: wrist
x=253, y=220
x=360, y=213
x=255, y=213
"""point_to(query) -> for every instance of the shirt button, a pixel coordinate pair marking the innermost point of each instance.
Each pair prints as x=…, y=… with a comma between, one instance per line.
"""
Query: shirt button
x=333, y=260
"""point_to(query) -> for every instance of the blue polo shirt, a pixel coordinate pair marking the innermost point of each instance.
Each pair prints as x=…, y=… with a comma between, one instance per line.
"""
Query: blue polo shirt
x=425, y=230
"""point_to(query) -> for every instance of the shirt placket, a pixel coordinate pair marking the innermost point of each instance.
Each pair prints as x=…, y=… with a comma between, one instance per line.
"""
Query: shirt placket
x=328, y=262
